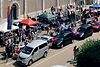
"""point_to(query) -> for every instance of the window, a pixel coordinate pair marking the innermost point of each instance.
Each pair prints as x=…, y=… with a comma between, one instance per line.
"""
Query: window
x=36, y=49
x=43, y=45
x=44, y=38
x=81, y=29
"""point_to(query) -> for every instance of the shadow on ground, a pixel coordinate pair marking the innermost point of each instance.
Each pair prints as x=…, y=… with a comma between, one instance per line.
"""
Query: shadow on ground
x=73, y=62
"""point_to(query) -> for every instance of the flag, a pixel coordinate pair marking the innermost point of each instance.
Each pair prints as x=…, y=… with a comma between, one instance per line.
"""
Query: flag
x=9, y=17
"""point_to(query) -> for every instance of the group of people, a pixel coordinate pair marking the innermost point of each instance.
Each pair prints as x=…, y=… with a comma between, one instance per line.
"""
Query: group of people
x=14, y=38
x=91, y=14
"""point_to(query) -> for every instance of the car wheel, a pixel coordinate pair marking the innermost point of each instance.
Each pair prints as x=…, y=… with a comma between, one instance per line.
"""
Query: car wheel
x=30, y=62
x=45, y=54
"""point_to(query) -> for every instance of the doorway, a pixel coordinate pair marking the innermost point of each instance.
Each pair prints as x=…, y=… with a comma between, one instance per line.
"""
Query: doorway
x=15, y=11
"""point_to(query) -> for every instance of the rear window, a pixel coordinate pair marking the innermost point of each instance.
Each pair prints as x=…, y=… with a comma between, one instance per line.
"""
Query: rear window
x=81, y=29
x=44, y=38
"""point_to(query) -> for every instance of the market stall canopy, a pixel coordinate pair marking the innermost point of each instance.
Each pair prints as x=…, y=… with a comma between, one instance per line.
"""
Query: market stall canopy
x=47, y=15
x=95, y=6
x=29, y=22
x=3, y=27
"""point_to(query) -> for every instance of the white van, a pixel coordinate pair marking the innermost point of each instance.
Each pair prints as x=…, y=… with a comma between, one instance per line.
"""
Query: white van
x=33, y=51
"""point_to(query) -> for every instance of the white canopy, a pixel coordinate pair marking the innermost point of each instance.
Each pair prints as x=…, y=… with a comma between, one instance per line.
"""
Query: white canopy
x=3, y=27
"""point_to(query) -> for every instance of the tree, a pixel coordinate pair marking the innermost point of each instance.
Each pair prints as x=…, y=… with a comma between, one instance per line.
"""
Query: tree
x=89, y=54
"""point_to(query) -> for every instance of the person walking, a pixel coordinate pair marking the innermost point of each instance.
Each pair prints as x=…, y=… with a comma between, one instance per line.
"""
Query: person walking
x=75, y=49
x=8, y=49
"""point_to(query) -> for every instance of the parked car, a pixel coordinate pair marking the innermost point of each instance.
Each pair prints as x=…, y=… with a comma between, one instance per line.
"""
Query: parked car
x=49, y=39
x=62, y=39
x=84, y=31
x=96, y=27
x=32, y=52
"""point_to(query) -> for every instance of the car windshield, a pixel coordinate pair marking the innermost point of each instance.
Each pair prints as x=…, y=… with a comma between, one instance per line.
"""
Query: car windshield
x=27, y=50
x=81, y=30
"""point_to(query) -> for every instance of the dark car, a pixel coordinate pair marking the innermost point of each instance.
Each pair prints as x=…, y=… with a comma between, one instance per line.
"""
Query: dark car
x=62, y=39
x=84, y=31
x=96, y=27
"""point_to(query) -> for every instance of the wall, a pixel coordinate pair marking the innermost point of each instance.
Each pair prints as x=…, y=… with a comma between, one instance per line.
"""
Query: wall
x=5, y=4
x=50, y=3
x=34, y=5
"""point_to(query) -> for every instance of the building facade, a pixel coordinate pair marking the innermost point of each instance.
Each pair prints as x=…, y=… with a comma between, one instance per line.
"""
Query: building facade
x=84, y=2
x=22, y=8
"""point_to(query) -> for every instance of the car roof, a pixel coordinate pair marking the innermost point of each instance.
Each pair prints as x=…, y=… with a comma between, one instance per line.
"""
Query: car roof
x=46, y=36
x=36, y=43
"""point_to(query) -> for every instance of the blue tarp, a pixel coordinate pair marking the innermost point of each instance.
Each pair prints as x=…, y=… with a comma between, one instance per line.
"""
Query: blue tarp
x=95, y=6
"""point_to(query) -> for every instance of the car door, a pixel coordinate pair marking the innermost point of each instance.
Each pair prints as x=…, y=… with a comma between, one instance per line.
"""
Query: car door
x=89, y=31
x=70, y=37
x=35, y=54
x=86, y=33
x=42, y=49
x=67, y=39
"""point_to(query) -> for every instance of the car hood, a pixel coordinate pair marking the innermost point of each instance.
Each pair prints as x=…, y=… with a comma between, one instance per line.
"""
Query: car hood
x=23, y=55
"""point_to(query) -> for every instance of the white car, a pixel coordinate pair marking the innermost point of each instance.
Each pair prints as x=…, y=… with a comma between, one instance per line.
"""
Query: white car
x=48, y=38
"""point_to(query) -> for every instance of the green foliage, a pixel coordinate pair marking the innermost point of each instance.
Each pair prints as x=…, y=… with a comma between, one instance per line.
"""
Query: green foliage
x=89, y=54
